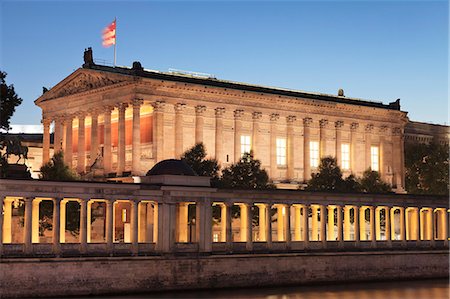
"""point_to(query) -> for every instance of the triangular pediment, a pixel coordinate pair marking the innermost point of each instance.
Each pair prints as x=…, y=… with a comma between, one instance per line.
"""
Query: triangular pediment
x=80, y=81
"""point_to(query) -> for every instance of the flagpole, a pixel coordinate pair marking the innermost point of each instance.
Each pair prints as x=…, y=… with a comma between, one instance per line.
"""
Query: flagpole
x=115, y=42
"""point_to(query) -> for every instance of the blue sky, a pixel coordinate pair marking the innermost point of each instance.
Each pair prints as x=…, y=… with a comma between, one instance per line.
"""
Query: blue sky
x=376, y=50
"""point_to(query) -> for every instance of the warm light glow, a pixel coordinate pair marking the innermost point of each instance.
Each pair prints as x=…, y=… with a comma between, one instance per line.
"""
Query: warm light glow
x=281, y=151
x=314, y=153
x=375, y=158
x=245, y=144
x=345, y=156
x=124, y=215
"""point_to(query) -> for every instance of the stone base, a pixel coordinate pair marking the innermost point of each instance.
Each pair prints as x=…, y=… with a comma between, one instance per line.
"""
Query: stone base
x=17, y=171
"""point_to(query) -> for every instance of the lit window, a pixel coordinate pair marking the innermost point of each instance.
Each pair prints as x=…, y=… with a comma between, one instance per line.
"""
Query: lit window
x=375, y=158
x=314, y=153
x=345, y=156
x=124, y=215
x=281, y=151
x=245, y=144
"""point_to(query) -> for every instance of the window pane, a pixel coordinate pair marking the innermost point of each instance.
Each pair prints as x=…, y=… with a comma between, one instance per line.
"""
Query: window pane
x=345, y=156
x=314, y=153
x=281, y=151
x=375, y=158
x=245, y=144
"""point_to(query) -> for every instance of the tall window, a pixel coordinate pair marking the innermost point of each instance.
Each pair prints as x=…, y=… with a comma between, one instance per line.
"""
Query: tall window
x=314, y=153
x=281, y=151
x=345, y=156
x=374, y=158
x=245, y=144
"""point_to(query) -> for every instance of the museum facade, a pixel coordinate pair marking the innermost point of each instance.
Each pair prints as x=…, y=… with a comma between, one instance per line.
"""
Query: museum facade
x=120, y=121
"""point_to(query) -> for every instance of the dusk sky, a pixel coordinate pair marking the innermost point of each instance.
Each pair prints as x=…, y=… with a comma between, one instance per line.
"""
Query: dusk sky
x=375, y=50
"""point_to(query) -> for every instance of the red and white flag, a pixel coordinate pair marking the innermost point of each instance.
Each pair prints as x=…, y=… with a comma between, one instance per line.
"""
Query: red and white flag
x=109, y=35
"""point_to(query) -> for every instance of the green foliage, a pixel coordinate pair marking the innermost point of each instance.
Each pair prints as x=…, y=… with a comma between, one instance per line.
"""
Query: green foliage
x=9, y=100
x=245, y=174
x=3, y=167
x=57, y=170
x=427, y=168
x=371, y=182
x=329, y=177
x=196, y=159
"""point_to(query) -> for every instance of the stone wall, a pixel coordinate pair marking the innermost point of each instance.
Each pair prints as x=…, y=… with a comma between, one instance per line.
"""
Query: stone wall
x=83, y=276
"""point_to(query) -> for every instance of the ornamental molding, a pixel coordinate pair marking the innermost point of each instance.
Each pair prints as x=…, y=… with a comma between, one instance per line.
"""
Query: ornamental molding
x=256, y=115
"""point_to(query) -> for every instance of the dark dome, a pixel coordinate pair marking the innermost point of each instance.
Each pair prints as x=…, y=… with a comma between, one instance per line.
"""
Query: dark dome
x=172, y=167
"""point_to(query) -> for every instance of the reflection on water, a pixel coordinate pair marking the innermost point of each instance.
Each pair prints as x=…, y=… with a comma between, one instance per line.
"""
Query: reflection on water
x=423, y=289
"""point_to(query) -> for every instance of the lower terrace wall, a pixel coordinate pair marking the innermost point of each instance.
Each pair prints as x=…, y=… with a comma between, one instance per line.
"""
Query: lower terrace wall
x=43, y=277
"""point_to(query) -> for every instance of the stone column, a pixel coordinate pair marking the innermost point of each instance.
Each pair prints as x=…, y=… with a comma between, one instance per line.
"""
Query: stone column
x=28, y=224
x=81, y=152
x=46, y=140
x=249, y=227
x=107, y=156
x=136, y=146
x=35, y=221
x=203, y=224
x=179, y=108
x=199, y=123
x=398, y=159
x=368, y=144
x=256, y=117
x=223, y=223
x=444, y=226
x=353, y=154
x=158, y=131
x=229, y=235
x=121, y=139
x=433, y=227
x=347, y=223
x=166, y=226
x=287, y=225
x=323, y=137
x=323, y=225
x=1, y=224
x=62, y=221
x=109, y=225
x=402, y=225
x=262, y=222
x=219, y=134
x=280, y=222
x=57, y=137
x=387, y=223
x=306, y=151
x=7, y=219
x=383, y=169
x=362, y=223
x=314, y=224
x=377, y=224
x=330, y=230
x=373, y=237
x=269, y=225
x=183, y=215
x=340, y=230
x=94, y=137
x=134, y=227
x=83, y=225
x=56, y=225
x=290, y=146
x=305, y=226
x=357, y=225
x=297, y=223
x=338, y=125
x=416, y=230
x=273, y=145
x=237, y=133
x=69, y=145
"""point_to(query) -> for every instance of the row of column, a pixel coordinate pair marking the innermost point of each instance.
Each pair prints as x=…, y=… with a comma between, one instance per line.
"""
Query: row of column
x=63, y=138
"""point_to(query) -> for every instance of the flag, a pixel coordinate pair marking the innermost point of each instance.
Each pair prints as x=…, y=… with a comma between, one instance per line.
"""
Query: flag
x=109, y=35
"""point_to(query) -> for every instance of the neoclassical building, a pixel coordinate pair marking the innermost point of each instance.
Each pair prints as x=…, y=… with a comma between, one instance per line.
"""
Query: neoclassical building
x=131, y=118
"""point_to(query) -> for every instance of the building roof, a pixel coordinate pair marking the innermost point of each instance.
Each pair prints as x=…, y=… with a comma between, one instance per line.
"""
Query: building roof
x=171, y=167
x=204, y=79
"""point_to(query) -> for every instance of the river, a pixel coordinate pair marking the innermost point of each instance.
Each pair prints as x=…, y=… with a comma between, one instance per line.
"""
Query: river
x=418, y=289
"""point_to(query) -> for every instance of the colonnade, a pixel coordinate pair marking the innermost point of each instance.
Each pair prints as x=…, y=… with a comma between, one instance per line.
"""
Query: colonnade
x=295, y=225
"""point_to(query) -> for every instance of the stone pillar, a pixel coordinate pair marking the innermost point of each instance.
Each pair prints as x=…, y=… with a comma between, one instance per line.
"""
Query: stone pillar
x=383, y=169
x=262, y=222
x=7, y=219
x=121, y=139
x=56, y=225
x=1, y=224
x=94, y=137
x=249, y=226
x=158, y=131
x=290, y=146
x=244, y=224
x=237, y=133
x=444, y=225
x=229, y=234
x=166, y=226
x=219, y=134
x=353, y=154
x=287, y=225
x=416, y=227
x=107, y=156
x=35, y=221
x=323, y=225
x=203, y=225
x=199, y=123
x=331, y=234
x=136, y=146
x=28, y=224
x=223, y=223
x=69, y=145
x=306, y=151
x=109, y=225
x=57, y=136
x=134, y=227
x=46, y=140
x=362, y=223
x=338, y=125
x=433, y=227
x=373, y=237
x=368, y=144
x=305, y=226
x=256, y=117
x=280, y=222
x=273, y=145
x=183, y=216
x=347, y=224
x=377, y=224
x=83, y=225
x=387, y=223
x=81, y=151
x=402, y=225
x=357, y=225
x=179, y=108
x=297, y=223
x=398, y=159
x=340, y=230
x=314, y=224
x=269, y=225
x=323, y=137
x=62, y=221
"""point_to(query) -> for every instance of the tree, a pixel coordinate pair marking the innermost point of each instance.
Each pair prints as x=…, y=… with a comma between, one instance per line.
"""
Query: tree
x=9, y=100
x=57, y=170
x=329, y=177
x=245, y=174
x=427, y=168
x=371, y=182
x=195, y=157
